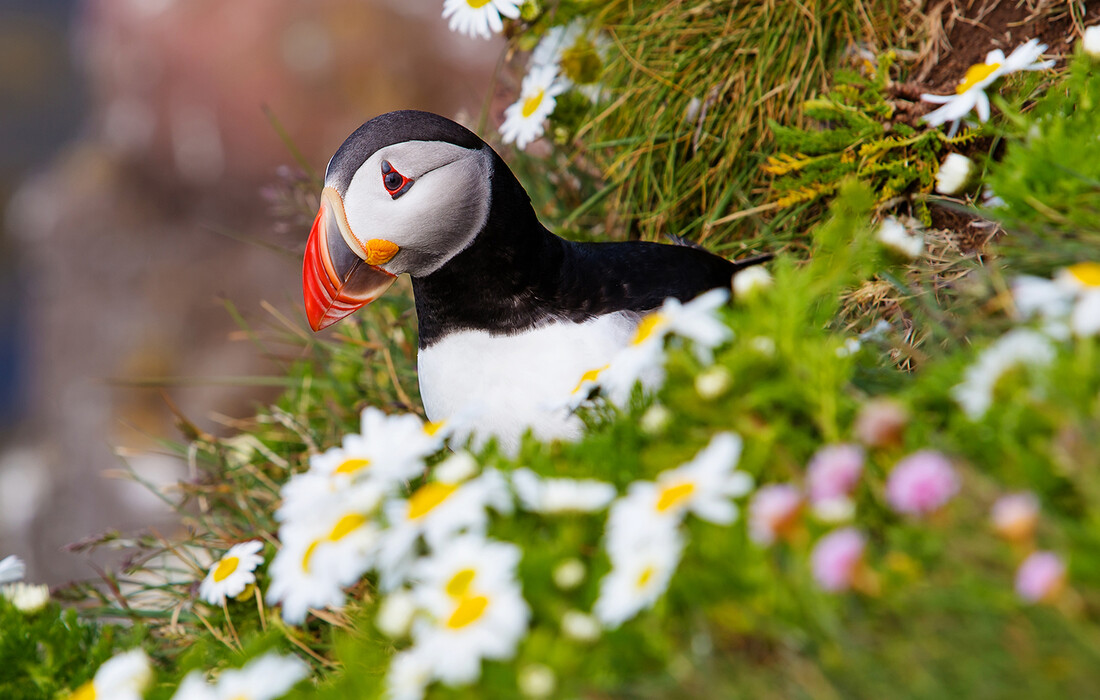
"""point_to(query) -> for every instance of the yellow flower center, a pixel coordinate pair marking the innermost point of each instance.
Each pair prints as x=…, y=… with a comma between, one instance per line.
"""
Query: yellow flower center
x=225, y=568
x=460, y=583
x=469, y=610
x=976, y=74
x=672, y=496
x=343, y=527
x=351, y=466
x=589, y=376
x=434, y=427
x=645, y=576
x=84, y=692
x=478, y=4
x=532, y=103
x=1087, y=273
x=428, y=497
x=646, y=328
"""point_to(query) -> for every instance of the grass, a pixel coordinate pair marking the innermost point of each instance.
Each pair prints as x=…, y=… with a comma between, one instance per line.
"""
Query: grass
x=693, y=84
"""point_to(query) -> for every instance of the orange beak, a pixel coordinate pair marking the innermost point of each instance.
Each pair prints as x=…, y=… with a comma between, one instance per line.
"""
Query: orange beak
x=340, y=273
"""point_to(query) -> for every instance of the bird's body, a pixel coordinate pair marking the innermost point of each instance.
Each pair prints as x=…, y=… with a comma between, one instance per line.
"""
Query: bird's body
x=510, y=316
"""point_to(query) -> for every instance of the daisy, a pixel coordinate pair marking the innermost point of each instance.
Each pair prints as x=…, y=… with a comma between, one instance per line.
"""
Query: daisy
x=577, y=54
x=27, y=598
x=970, y=93
x=125, y=676
x=642, y=360
x=229, y=576
x=409, y=675
x=900, y=240
x=476, y=18
x=473, y=607
x=1083, y=279
x=540, y=495
x=751, y=281
x=955, y=175
x=523, y=120
x=264, y=678
x=12, y=568
x=320, y=556
x=436, y=511
x=554, y=43
x=1018, y=347
x=703, y=486
x=638, y=577
x=1090, y=42
x=394, y=445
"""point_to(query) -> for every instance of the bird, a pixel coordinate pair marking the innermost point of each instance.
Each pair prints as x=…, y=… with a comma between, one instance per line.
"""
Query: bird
x=509, y=314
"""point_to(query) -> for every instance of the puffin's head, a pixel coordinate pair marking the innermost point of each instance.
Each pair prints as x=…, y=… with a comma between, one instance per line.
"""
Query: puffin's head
x=405, y=192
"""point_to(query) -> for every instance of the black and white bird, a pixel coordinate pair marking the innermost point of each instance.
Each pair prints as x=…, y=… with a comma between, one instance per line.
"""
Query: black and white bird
x=510, y=315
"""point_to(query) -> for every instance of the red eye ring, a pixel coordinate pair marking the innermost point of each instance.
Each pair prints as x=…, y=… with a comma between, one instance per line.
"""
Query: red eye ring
x=394, y=182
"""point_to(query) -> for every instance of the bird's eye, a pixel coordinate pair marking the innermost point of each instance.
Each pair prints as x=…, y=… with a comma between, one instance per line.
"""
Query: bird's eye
x=394, y=182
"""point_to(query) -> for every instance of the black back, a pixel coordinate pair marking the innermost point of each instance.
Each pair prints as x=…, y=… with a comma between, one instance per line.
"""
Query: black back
x=517, y=275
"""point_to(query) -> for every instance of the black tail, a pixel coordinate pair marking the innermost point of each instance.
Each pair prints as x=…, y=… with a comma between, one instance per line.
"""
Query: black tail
x=741, y=264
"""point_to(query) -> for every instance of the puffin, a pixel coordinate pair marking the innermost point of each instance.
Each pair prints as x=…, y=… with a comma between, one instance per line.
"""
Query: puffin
x=509, y=315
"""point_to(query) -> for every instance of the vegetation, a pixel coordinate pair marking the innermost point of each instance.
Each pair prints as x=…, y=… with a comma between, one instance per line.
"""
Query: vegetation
x=945, y=363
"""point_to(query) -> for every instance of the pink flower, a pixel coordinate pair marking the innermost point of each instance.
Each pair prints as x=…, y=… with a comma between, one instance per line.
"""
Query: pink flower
x=921, y=483
x=836, y=558
x=881, y=422
x=1015, y=516
x=773, y=512
x=834, y=472
x=1041, y=577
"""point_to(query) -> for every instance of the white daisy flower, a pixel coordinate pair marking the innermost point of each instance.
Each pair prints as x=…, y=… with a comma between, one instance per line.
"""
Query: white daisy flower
x=12, y=568
x=752, y=280
x=898, y=238
x=27, y=598
x=703, y=486
x=540, y=495
x=1018, y=347
x=479, y=18
x=970, y=93
x=319, y=556
x=563, y=41
x=394, y=445
x=554, y=43
x=264, y=678
x=395, y=614
x=638, y=577
x=229, y=576
x=523, y=121
x=955, y=175
x=436, y=511
x=1090, y=42
x=1083, y=280
x=125, y=676
x=642, y=360
x=409, y=676
x=474, y=607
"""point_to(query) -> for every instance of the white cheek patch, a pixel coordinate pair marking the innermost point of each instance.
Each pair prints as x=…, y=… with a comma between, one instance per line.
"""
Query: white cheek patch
x=436, y=217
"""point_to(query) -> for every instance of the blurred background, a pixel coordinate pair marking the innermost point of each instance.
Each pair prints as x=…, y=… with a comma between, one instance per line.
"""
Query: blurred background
x=136, y=170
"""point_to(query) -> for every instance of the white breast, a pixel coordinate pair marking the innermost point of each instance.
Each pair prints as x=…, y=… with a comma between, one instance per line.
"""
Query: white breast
x=510, y=383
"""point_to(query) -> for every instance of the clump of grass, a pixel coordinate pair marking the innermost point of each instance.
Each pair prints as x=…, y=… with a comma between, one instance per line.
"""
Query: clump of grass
x=693, y=85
